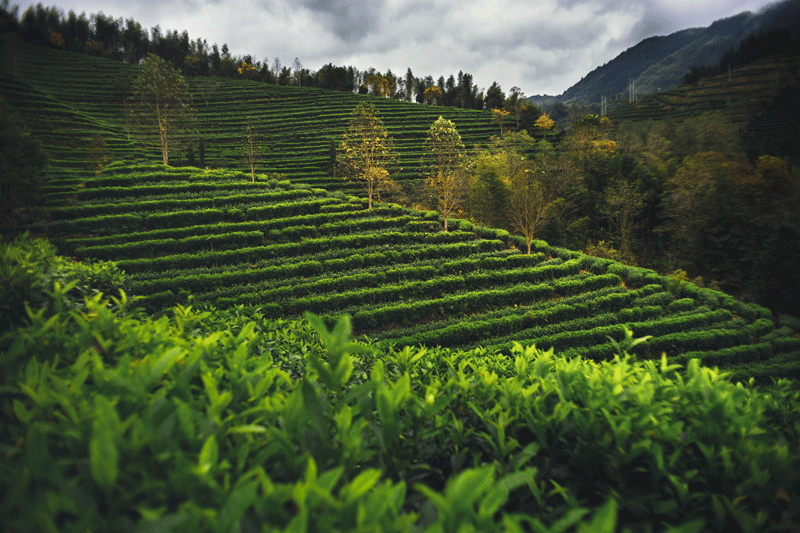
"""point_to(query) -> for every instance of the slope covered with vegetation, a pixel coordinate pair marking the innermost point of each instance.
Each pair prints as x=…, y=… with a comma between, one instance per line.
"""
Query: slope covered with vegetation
x=221, y=409
x=744, y=95
x=212, y=237
x=217, y=237
x=68, y=99
x=220, y=421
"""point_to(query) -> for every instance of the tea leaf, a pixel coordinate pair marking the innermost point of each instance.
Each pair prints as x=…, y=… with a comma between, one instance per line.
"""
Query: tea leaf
x=361, y=484
x=695, y=526
x=604, y=521
x=103, y=456
x=238, y=502
x=249, y=428
x=208, y=457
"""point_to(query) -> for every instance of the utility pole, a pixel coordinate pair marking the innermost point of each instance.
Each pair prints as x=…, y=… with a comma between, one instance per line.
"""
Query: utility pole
x=631, y=90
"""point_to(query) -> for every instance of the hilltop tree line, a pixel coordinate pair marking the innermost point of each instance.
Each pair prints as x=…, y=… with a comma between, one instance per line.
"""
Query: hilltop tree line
x=126, y=40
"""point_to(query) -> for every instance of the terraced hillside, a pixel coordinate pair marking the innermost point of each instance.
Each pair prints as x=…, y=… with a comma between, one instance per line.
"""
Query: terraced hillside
x=742, y=97
x=213, y=237
x=67, y=98
x=194, y=236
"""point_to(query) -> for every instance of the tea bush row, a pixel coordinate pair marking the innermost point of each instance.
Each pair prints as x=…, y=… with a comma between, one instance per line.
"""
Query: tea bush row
x=547, y=318
x=308, y=246
x=227, y=227
x=342, y=260
x=90, y=210
x=196, y=244
x=458, y=304
x=613, y=296
x=296, y=297
x=209, y=426
x=172, y=189
x=426, y=263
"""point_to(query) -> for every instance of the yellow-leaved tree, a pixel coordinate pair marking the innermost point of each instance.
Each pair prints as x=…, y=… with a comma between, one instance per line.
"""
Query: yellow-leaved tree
x=382, y=86
x=432, y=94
x=499, y=116
x=444, y=157
x=365, y=152
x=544, y=123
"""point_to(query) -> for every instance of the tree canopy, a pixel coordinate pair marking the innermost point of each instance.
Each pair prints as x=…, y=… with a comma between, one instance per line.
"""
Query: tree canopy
x=365, y=152
x=163, y=104
x=444, y=155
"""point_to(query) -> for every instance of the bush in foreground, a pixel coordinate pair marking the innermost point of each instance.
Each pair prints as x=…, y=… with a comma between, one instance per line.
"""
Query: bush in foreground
x=217, y=421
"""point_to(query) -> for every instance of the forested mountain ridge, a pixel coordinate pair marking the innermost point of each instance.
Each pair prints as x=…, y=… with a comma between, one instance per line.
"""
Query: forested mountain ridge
x=659, y=63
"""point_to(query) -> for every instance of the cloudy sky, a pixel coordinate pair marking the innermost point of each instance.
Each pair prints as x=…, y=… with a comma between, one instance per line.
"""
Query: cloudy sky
x=541, y=46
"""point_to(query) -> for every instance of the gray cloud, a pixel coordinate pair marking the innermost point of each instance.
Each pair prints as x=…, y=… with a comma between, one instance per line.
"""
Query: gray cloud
x=350, y=21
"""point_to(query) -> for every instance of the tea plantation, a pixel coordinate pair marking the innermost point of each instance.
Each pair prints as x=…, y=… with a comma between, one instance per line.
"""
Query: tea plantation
x=65, y=99
x=412, y=399
x=230, y=421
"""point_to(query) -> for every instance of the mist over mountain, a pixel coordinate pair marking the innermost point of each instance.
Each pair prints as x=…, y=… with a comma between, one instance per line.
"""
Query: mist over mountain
x=659, y=63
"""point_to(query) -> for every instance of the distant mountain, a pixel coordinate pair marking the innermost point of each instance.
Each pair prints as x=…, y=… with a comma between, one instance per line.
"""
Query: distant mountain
x=659, y=63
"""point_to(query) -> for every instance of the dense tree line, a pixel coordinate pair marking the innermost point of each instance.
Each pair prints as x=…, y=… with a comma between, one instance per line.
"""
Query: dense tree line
x=680, y=197
x=126, y=40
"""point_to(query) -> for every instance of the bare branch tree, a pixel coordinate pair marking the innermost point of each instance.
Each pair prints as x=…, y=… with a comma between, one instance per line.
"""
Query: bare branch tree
x=253, y=151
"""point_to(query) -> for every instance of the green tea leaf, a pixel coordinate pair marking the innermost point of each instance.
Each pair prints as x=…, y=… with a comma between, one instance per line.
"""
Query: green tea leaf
x=23, y=414
x=165, y=524
x=695, y=526
x=469, y=485
x=249, y=428
x=493, y=500
x=236, y=505
x=103, y=456
x=361, y=484
x=572, y=517
x=604, y=521
x=208, y=455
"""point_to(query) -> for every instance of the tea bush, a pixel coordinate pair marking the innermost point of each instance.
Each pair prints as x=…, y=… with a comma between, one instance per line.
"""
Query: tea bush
x=227, y=420
x=32, y=274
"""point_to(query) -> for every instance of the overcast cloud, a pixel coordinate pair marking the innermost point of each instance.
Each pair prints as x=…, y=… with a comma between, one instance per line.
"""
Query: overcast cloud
x=542, y=46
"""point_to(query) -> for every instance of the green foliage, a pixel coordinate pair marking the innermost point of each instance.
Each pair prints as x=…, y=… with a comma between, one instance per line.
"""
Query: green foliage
x=34, y=280
x=163, y=105
x=22, y=165
x=219, y=420
x=225, y=419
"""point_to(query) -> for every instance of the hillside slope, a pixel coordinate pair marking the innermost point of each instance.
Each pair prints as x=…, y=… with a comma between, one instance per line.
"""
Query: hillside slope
x=212, y=236
x=193, y=237
x=760, y=98
x=67, y=98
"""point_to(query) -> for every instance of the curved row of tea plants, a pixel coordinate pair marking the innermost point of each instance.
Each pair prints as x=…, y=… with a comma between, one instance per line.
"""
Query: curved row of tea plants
x=67, y=99
x=224, y=420
x=284, y=249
